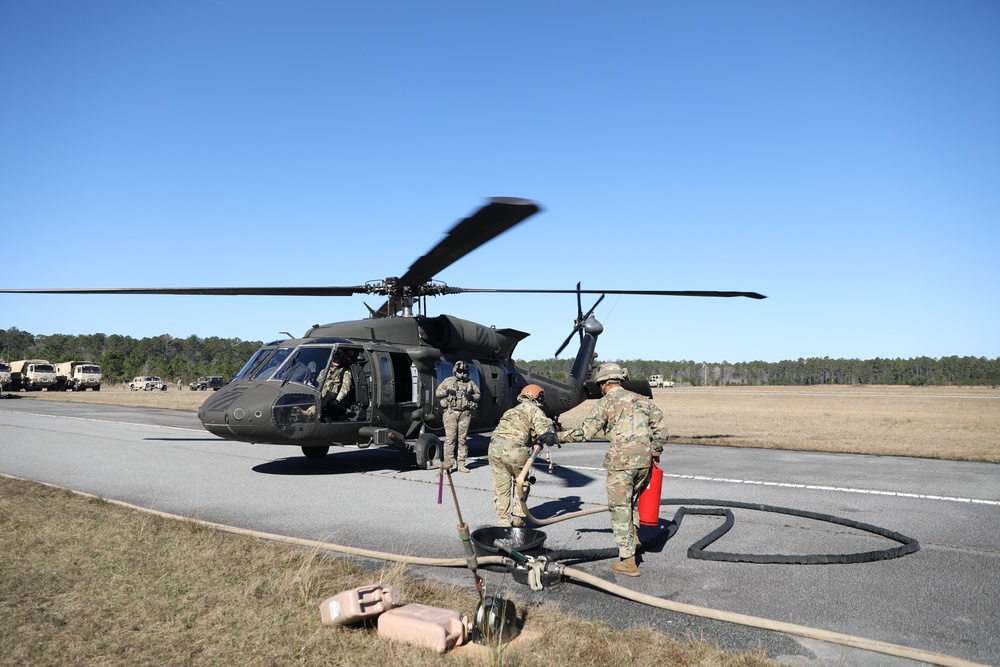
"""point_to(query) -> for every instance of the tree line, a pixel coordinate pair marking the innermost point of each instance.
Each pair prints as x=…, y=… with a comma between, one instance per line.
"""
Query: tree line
x=184, y=359
x=801, y=372
x=122, y=357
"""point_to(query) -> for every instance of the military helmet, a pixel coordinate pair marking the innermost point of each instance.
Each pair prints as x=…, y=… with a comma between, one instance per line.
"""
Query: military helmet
x=609, y=372
x=460, y=369
x=532, y=392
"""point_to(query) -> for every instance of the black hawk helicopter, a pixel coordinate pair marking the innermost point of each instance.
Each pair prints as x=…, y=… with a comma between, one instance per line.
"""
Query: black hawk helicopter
x=396, y=358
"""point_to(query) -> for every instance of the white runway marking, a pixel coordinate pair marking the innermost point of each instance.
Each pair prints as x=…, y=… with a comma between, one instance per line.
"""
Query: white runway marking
x=816, y=487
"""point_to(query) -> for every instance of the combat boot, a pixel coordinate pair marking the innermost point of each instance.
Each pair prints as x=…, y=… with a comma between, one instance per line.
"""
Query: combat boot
x=627, y=567
x=518, y=522
x=462, y=468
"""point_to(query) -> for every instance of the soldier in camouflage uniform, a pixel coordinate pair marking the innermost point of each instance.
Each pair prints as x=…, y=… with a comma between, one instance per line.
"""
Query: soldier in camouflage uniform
x=637, y=432
x=337, y=385
x=519, y=430
x=459, y=397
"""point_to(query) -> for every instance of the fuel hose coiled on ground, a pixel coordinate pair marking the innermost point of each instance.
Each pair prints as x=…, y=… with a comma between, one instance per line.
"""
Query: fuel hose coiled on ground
x=697, y=550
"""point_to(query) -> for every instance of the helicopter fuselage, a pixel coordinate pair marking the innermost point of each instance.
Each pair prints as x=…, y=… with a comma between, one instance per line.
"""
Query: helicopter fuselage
x=278, y=396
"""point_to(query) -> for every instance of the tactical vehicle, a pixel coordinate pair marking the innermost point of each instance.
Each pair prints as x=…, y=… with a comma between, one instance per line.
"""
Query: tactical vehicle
x=147, y=383
x=213, y=382
x=78, y=376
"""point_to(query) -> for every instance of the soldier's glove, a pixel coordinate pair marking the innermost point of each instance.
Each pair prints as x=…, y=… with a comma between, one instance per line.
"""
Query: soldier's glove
x=549, y=438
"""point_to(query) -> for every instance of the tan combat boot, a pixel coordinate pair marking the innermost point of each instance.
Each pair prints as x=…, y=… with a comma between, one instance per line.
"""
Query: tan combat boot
x=518, y=522
x=462, y=468
x=627, y=567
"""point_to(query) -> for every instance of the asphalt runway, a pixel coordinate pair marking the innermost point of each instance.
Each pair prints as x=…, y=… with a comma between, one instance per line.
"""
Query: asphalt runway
x=944, y=598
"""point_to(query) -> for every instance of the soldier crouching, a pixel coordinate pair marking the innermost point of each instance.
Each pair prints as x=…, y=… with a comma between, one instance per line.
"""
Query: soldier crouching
x=520, y=428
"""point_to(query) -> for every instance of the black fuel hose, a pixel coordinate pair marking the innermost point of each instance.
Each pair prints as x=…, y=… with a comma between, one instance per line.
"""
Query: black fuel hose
x=697, y=550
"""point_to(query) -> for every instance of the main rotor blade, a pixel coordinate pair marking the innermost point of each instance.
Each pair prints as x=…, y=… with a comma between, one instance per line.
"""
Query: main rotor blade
x=207, y=291
x=489, y=222
x=751, y=295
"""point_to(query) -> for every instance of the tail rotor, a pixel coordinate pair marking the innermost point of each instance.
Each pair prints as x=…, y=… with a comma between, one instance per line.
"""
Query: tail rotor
x=581, y=319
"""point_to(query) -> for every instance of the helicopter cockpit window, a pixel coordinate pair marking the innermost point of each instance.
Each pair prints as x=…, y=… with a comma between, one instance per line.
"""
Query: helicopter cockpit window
x=272, y=363
x=258, y=358
x=306, y=366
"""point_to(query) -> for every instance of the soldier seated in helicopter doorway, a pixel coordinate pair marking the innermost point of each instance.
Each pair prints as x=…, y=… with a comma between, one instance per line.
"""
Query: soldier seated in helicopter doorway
x=459, y=397
x=337, y=385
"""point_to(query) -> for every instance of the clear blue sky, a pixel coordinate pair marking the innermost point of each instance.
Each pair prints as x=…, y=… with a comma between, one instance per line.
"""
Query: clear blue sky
x=842, y=158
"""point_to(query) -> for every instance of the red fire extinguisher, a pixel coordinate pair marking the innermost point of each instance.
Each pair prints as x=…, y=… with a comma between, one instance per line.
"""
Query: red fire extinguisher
x=649, y=499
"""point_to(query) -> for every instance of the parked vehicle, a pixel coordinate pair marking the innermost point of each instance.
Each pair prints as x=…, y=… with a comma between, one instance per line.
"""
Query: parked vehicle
x=78, y=376
x=32, y=375
x=4, y=375
x=213, y=382
x=658, y=381
x=147, y=383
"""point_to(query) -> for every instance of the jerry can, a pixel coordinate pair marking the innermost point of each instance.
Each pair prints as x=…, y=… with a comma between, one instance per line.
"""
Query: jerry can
x=435, y=628
x=357, y=604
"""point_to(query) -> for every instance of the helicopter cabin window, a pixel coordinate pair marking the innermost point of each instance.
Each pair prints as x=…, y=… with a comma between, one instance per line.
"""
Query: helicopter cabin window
x=403, y=369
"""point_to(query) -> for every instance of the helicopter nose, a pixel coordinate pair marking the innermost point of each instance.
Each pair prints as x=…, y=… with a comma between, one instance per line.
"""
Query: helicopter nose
x=241, y=411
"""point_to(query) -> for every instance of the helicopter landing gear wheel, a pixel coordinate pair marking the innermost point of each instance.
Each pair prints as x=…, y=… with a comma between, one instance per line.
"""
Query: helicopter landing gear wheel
x=427, y=449
x=316, y=452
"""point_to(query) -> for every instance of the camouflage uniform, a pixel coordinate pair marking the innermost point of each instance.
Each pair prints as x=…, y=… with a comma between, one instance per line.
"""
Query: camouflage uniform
x=510, y=448
x=459, y=398
x=637, y=432
x=337, y=385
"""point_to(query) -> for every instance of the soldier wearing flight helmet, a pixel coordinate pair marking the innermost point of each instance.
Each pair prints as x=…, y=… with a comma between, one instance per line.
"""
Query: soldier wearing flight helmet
x=520, y=429
x=637, y=432
x=459, y=397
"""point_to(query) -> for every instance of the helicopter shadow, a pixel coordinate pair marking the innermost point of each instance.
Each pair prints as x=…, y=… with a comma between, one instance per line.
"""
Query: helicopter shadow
x=335, y=463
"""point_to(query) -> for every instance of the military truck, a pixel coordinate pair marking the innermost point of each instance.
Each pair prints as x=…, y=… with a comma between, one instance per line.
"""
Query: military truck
x=78, y=376
x=32, y=375
x=658, y=381
x=4, y=375
x=213, y=382
x=147, y=383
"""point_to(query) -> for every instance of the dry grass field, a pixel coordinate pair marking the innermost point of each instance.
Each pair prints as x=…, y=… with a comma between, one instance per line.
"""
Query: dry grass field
x=959, y=423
